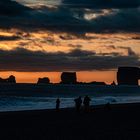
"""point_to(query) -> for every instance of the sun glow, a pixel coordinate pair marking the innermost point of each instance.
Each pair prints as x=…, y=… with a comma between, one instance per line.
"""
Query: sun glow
x=85, y=76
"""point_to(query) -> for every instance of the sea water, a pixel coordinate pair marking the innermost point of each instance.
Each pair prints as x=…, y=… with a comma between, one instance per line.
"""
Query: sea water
x=33, y=97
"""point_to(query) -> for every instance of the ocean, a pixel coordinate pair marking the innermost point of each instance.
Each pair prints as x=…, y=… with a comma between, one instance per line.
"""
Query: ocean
x=16, y=97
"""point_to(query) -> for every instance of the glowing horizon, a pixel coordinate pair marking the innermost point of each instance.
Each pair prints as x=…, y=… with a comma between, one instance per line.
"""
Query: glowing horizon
x=87, y=76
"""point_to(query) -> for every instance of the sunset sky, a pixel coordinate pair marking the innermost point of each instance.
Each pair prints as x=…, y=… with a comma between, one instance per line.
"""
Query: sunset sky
x=42, y=38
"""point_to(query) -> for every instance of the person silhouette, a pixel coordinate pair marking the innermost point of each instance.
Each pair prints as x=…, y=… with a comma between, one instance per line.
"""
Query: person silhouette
x=108, y=106
x=78, y=102
x=58, y=104
x=86, y=103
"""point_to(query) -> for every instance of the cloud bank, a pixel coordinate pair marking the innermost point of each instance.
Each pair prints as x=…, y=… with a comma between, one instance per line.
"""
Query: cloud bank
x=70, y=16
x=76, y=60
x=101, y=4
x=78, y=17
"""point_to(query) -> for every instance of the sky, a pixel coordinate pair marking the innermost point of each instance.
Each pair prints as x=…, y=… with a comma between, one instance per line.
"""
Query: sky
x=42, y=38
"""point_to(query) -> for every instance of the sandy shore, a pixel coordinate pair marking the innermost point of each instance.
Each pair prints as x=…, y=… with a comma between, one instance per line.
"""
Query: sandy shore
x=122, y=122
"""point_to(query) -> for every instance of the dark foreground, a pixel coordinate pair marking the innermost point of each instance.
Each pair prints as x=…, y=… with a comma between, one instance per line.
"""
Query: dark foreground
x=122, y=122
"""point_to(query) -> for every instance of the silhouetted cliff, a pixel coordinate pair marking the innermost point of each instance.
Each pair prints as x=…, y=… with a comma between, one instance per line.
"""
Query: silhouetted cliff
x=128, y=75
x=68, y=78
x=10, y=79
x=44, y=80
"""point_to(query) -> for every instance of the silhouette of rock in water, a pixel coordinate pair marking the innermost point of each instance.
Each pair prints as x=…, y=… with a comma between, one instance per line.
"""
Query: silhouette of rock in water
x=68, y=78
x=44, y=80
x=128, y=75
x=10, y=79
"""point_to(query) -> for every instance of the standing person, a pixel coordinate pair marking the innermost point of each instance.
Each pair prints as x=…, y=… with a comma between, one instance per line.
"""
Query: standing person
x=86, y=103
x=78, y=102
x=57, y=104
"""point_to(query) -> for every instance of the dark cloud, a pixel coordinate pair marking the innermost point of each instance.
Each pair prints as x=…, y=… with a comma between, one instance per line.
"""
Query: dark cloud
x=136, y=38
x=11, y=8
x=124, y=20
x=77, y=36
x=9, y=38
x=76, y=60
x=67, y=19
x=101, y=4
x=78, y=46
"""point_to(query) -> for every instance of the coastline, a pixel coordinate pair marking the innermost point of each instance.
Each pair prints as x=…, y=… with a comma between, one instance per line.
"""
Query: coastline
x=122, y=121
x=92, y=107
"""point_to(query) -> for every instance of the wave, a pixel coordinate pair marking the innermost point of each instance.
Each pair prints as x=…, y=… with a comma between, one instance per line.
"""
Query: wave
x=15, y=103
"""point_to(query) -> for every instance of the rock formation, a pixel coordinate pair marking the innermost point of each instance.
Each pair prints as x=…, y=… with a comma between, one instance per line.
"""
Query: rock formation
x=68, y=78
x=44, y=80
x=128, y=75
x=10, y=79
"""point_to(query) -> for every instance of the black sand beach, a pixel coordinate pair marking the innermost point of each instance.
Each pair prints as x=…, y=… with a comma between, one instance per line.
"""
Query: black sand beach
x=122, y=122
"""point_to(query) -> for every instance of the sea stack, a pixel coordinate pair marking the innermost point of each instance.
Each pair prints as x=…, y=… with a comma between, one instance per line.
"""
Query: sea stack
x=128, y=75
x=44, y=80
x=68, y=78
x=10, y=79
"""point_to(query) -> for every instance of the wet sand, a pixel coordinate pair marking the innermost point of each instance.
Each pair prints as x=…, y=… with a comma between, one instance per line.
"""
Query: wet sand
x=121, y=122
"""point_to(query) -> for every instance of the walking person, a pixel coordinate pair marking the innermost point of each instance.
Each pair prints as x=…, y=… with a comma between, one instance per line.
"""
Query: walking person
x=86, y=103
x=58, y=104
x=78, y=103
